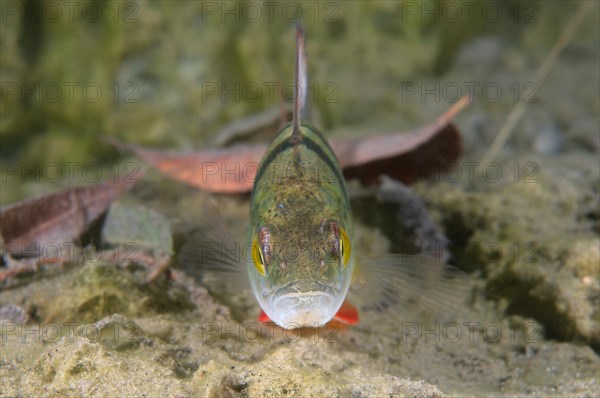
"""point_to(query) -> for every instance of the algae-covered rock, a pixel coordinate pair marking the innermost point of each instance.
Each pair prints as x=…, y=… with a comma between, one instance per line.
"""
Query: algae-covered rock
x=11, y=313
x=115, y=332
x=198, y=349
x=290, y=371
x=131, y=224
x=528, y=241
x=96, y=290
x=78, y=367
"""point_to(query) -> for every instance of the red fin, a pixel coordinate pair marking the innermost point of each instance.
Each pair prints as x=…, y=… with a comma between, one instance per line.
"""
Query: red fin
x=263, y=317
x=347, y=314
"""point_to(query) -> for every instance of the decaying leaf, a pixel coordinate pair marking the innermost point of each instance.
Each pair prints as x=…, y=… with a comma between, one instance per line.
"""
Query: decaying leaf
x=59, y=218
x=405, y=156
x=227, y=170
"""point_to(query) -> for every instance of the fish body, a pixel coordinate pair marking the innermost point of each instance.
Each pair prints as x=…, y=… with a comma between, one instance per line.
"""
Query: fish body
x=301, y=265
x=301, y=230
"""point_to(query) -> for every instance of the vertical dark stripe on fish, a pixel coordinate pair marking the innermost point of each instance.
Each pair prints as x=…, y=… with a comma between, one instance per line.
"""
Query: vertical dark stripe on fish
x=309, y=144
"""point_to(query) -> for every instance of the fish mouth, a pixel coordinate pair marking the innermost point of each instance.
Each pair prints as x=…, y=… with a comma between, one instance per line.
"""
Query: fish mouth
x=303, y=304
x=302, y=289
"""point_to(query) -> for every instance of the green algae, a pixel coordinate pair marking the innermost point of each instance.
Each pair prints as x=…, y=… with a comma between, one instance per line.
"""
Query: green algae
x=130, y=80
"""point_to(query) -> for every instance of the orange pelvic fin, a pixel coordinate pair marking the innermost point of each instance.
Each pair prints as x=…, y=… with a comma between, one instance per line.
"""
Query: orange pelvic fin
x=263, y=317
x=347, y=314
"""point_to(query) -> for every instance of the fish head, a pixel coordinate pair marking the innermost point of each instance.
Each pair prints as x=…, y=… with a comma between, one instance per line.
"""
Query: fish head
x=300, y=271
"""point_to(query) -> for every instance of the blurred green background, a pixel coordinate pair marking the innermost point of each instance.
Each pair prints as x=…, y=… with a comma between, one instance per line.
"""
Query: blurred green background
x=157, y=73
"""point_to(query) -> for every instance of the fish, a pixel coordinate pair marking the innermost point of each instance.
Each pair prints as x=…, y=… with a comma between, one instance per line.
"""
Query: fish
x=298, y=257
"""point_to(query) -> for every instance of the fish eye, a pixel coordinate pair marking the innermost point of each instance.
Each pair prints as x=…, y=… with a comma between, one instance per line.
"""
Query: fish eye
x=262, y=250
x=258, y=258
x=344, y=247
x=340, y=243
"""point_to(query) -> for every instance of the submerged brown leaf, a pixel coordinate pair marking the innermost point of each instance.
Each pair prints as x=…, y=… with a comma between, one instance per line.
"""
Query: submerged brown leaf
x=227, y=170
x=406, y=156
x=59, y=218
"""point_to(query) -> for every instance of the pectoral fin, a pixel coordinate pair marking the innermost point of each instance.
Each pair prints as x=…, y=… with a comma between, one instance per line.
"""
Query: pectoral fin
x=212, y=255
x=409, y=288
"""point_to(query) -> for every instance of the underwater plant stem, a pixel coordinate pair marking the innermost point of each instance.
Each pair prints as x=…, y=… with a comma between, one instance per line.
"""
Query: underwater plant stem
x=541, y=75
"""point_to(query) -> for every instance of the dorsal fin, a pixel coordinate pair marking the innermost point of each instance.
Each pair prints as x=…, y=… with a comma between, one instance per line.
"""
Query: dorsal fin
x=300, y=84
